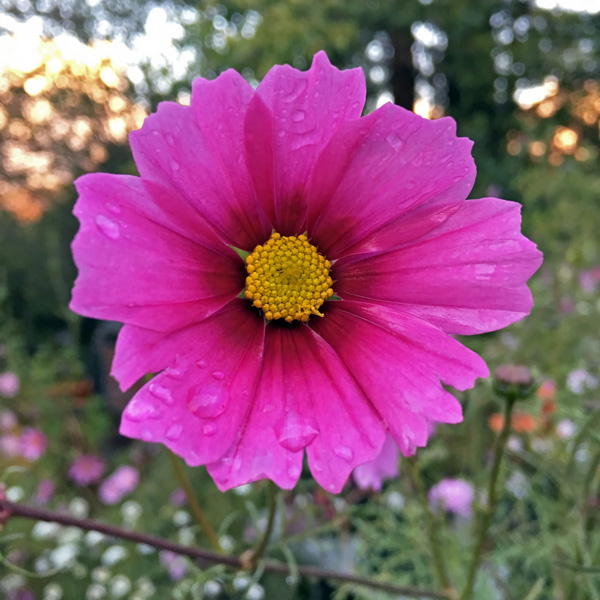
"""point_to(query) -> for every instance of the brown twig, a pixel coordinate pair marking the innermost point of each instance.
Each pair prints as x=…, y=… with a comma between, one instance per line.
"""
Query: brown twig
x=16, y=510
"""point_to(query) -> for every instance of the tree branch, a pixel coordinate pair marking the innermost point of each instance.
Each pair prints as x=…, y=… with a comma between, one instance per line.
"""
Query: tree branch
x=14, y=510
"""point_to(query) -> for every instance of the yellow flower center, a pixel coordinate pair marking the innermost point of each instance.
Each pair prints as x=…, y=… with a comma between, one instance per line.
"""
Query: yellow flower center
x=288, y=278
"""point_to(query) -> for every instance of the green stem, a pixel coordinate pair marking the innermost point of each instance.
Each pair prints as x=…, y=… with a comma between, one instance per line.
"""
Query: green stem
x=262, y=546
x=439, y=561
x=492, y=499
x=184, y=482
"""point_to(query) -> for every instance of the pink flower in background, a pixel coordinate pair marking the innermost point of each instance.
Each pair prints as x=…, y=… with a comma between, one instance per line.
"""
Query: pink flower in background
x=370, y=475
x=453, y=495
x=33, y=444
x=8, y=420
x=9, y=384
x=178, y=498
x=122, y=482
x=87, y=469
x=175, y=564
x=364, y=261
x=45, y=492
x=10, y=445
x=589, y=280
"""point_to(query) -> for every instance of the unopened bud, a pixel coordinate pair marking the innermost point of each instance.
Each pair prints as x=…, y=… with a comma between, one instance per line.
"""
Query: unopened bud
x=513, y=382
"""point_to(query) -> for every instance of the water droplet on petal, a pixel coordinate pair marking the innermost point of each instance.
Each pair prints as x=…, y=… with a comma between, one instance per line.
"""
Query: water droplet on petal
x=209, y=429
x=201, y=364
x=268, y=408
x=395, y=141
x=295, y=433
x=174, y=373
x=109, y=228
x=293, y=472
x=298, y=116
x=174, y=432
x=344, y=453
x=161, y=392
x=113, y=208
x=219, y=375
x=147, y=435
x=170, y=139
x=140, y=410
x=208, y=401
x=174, y=165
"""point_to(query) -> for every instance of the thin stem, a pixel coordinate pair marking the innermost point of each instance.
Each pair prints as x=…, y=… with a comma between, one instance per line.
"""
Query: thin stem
x=492, y=499
x=262, y=546
x=14, y=510
x=184, y=482
x=439, y=561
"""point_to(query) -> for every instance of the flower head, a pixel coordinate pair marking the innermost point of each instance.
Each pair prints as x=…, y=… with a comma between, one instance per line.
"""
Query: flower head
x=122, y=482
x=87, y=469
x=9, y=384
x=8, y=420
x=175, y=565
x=453, y=495
x=362, y=260
x=10, y=445
x=45, y=492
x=33, y=444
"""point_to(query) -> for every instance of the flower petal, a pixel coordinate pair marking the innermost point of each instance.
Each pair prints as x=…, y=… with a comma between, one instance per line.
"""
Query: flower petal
x=376, y=170
x=467, y=276
x=199, y=152
x=197, y=404
x=370, y=475
x=170, y=278
x=290, y=120
x=306, y=398
x=398, y=361
x=256, y=453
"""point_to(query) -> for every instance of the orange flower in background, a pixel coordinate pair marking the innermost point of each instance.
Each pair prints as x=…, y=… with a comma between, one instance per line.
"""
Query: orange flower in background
x=520, y=422
x=547, y=390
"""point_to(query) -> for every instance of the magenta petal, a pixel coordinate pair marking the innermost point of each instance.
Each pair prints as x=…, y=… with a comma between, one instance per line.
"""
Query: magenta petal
x=257, y=453
x=370, y=475
x=349, y=429
x=136, y=262
x=378, y=169
x=467, y=276
x=196, y=406
x=290, y=120
x=398, y=361
x=199, y=152
x=306, y=398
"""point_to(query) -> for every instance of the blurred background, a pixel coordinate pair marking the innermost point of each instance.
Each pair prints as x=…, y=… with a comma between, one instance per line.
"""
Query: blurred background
x=520, y=77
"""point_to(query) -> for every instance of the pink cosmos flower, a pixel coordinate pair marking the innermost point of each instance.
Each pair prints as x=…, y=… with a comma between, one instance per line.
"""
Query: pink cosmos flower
x=122, y=482
x=8, y=420
x=589, y=280
x=10, y=445
x=453, y=495
x=33, y=444
x=45, y=492
x=87, y=469
x=175, y=564
x=370, y=475
x=9, y=384
x=365, y=258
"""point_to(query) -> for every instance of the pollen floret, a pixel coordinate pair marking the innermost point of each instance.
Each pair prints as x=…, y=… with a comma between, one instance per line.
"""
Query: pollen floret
x=288, y=278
